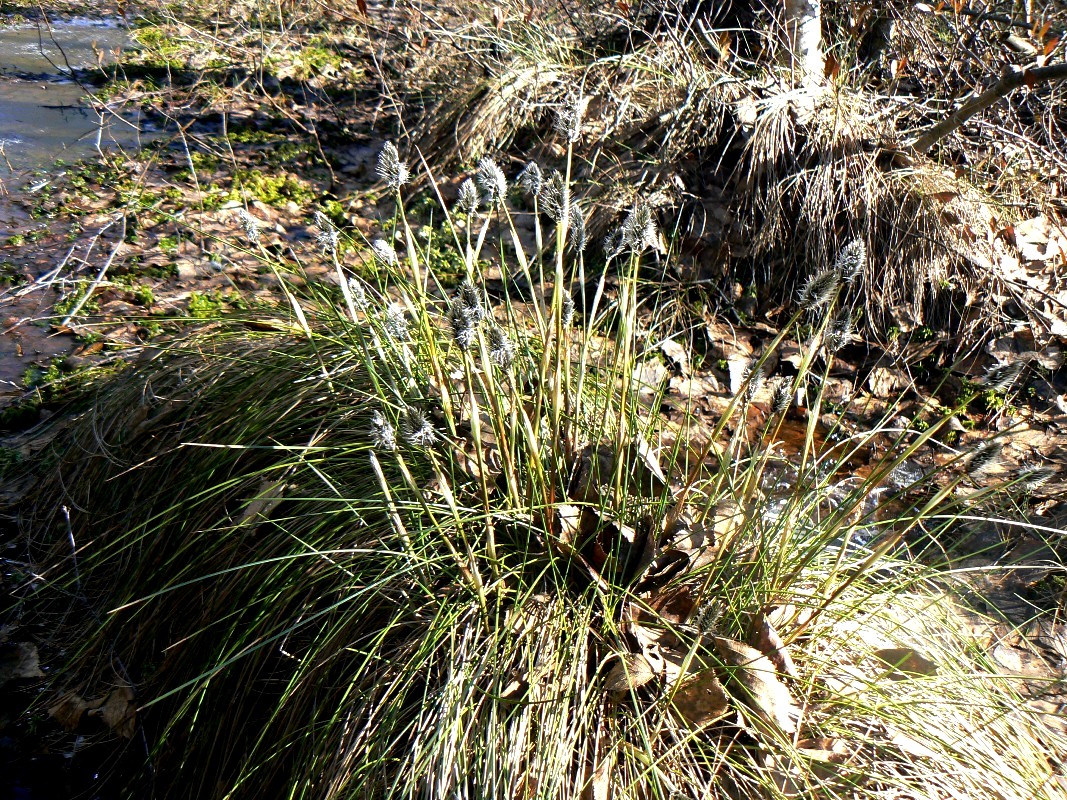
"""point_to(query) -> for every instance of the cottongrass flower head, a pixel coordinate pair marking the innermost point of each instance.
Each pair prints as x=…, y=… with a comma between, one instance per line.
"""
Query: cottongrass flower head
x=396, y=322
x=851, y=261
x=391, y=169
x=531, y=179
x=384, y=252
x=492, y=181
x=1034, y=477
x=985, y=458
x=637, y=232
x=464, y=326
x=358, y=293
x=820, y=289
x=613, y=243
x=328, y=240
x=382, y=434
x=467, y=200
x=838, y=333
x=1001, y=377
x=567, y=312
x=416, y=428
x=576, y=235
x=470, y=300
x=755, y=377
x=781, y=395
x=551, y=195
x=501, y=348
x=248, y=225
x=569, y=120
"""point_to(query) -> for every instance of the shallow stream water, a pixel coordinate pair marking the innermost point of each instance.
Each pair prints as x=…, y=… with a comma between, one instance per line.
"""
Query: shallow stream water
x=44, y=113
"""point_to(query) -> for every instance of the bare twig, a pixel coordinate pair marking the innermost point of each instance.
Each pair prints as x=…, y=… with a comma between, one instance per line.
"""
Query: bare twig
x=1010, y=80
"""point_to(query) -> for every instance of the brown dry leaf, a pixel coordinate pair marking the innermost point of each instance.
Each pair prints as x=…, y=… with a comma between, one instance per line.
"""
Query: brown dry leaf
x=19, y=661
x=701, y=699
x=676, y=356
x=567, y=521
x=726, y=521
x=118, y=712
x=596, y=469
x=766, y=639
x=886, y=382
x=598, y=780
x=673, y=606
x=631, y=671
x=259, y=508
x=70, y=708
x=905, y=662
x=763, y=689
x=906, y=744
x=1014, y=660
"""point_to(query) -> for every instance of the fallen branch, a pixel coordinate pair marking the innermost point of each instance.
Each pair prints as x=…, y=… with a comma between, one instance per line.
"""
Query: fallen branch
x=1010, y=80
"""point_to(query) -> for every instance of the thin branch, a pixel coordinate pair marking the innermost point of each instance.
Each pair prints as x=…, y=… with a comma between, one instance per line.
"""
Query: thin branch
x=1008, y=82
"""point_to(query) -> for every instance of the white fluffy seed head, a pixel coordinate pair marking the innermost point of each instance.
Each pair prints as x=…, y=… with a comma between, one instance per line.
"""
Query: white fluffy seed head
x=838, y=332
x=569, y=119
x=391, y=169
x=396, y=322
x=384, y=252
x=638, y=230
x=358, y=293
x=467, y=200
x=985, y=458
x=416, y=428
x=781, y=395
x=328, y=240
x=501, y=348
x=820, y=289
x=491, y=180
x=249, y=226
x=550, y=197
x=531, y=179
x=851, y=261
x=1001, y=377
x=469, y=298
x=464, y=327
x=576, y=235
x=382, y=434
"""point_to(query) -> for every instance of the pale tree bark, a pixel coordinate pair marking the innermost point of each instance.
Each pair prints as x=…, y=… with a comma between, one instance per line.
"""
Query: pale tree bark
x=803, y=27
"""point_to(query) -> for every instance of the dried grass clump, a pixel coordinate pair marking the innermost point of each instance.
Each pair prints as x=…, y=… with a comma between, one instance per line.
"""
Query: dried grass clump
x=765, y=180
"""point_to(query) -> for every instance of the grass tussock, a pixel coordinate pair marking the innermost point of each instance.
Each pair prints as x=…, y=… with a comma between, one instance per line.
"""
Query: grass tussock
x=413, y=544
x=694, y=107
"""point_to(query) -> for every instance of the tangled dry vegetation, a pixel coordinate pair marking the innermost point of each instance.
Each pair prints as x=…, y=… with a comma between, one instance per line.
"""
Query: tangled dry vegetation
x=412, y=544
x=424, y=531
x=692, y=107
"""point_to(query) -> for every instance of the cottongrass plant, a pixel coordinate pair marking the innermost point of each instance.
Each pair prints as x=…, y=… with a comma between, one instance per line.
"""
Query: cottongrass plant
x=429, y=549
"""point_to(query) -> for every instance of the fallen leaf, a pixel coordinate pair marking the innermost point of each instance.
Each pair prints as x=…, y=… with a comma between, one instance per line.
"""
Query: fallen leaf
x=701, y=699
x=761, y=686
x=673, y=606
x=70, y=708
x=906, y=662
x=19, y=661
x=631, y=671
x=598, y=782
x=118, y=712
x=909, y=745
x=766, y=639
x=676, y=356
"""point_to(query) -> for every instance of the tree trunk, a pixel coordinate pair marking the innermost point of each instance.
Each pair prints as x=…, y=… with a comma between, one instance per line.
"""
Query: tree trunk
x=803, y=27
